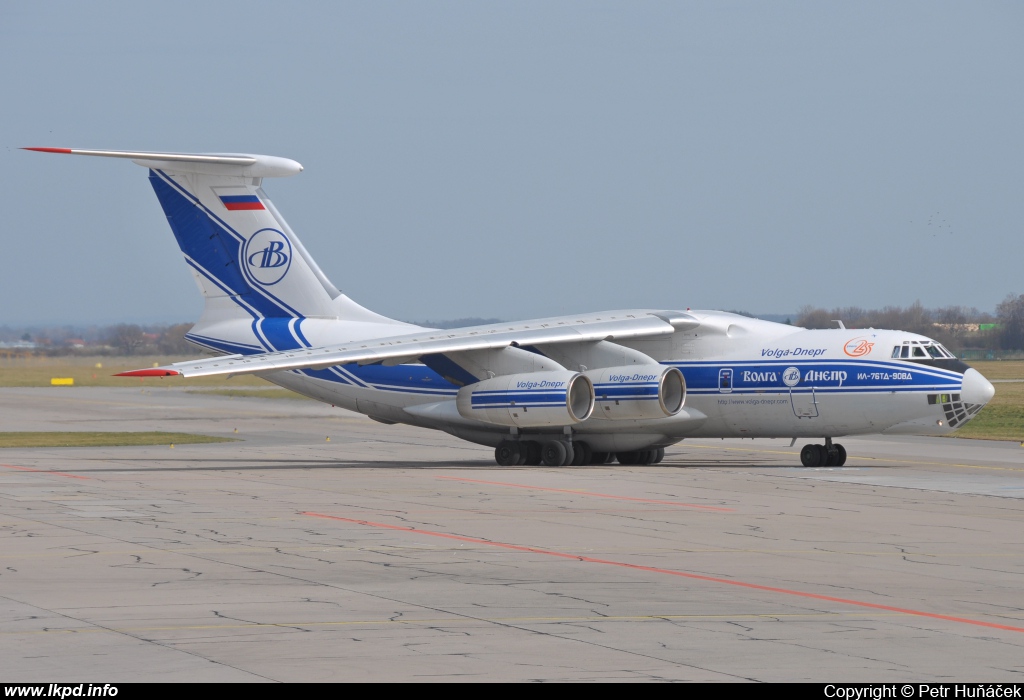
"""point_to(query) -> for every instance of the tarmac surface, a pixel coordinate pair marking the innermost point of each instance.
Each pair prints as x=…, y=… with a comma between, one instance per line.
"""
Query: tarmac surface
x=392, y=553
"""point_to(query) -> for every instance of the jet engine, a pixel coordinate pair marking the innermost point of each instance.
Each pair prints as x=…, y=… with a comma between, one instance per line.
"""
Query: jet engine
x=532, y=400
x=637, y=392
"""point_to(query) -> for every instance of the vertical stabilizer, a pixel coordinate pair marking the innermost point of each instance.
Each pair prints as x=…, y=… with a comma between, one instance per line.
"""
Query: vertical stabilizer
x=237, y=248
x=259, y=282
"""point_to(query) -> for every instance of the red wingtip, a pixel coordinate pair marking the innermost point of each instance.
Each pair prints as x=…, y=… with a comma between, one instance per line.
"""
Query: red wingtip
x=148, y=373
x=48, y=150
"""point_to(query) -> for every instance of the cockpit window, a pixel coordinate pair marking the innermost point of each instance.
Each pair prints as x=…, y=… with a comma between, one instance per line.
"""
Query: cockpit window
x=923, y=349
x=928, y=352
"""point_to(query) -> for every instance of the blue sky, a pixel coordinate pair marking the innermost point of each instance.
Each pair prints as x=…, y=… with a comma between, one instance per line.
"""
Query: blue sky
x=527, y=159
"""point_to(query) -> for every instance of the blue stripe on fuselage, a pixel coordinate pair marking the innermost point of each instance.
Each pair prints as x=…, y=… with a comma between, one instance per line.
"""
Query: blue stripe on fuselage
x=278, y=333
x=821, y=375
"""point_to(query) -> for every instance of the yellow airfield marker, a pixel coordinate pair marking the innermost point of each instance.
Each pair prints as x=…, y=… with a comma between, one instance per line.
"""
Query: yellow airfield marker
x=62, y=381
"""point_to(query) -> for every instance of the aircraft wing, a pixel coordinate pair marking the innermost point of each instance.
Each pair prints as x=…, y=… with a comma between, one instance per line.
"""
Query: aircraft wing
x=407, y=348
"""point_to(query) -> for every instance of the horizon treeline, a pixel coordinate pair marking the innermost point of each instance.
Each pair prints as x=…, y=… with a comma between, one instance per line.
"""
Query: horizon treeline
x=132, y=338
x=957, y=327
x=117, y=339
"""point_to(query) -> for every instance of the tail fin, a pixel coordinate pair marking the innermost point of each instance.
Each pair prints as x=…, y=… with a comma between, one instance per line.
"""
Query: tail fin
x=248, y=263
x=258, y=281
x=239, y=247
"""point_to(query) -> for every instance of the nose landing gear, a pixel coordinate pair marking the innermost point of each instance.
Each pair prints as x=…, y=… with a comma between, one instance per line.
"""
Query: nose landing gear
x=827, y=455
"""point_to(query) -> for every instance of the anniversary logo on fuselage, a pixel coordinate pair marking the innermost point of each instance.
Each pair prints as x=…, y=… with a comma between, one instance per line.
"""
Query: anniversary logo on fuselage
x=267, y=256
x=858, y=347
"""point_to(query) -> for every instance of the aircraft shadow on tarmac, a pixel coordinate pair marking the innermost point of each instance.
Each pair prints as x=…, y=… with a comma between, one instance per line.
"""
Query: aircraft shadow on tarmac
x=239, y=464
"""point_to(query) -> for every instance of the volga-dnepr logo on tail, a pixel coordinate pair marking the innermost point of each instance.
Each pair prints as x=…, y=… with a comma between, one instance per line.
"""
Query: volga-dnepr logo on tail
x=268, y=255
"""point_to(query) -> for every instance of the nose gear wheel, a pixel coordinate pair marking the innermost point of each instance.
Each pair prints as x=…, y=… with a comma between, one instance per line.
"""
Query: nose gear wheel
x=827, y=455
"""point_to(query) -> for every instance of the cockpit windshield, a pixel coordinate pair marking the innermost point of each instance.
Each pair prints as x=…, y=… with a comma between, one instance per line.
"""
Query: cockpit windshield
x=921, y=349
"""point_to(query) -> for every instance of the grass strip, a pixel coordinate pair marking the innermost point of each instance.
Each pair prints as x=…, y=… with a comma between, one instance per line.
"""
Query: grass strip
x=98, y=439
x=1000, y=369
x=1001, y=419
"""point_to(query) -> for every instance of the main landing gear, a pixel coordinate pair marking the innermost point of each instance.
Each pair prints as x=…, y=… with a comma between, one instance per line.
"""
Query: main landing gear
x=562, y=453
x=827, y=455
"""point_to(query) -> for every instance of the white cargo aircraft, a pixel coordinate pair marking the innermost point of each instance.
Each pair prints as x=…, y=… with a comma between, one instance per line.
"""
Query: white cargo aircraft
x=581, y=389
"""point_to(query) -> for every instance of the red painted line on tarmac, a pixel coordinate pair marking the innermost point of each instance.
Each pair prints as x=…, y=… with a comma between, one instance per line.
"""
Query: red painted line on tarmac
x=43, y=471
x=671, y=572
x=588, y=493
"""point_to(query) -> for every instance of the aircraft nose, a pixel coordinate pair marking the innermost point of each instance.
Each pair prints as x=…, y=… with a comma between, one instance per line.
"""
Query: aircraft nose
x=976, y=389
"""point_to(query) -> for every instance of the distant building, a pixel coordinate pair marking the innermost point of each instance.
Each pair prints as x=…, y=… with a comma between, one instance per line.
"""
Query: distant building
x=968, y=327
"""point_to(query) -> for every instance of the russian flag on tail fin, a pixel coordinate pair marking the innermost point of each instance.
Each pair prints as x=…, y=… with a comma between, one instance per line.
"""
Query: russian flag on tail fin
x=241, y=202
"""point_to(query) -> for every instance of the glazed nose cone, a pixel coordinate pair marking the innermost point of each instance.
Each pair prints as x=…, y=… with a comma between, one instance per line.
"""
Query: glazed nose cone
x=976, y=389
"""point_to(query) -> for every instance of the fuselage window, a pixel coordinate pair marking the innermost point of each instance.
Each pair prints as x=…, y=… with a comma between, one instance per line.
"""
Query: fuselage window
x=934, y=352
x=919, y=351
x=906, y=352
x=896, y=351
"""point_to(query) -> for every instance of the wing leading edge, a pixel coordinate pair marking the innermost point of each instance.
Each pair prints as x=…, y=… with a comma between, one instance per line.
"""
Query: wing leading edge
x=427, y=342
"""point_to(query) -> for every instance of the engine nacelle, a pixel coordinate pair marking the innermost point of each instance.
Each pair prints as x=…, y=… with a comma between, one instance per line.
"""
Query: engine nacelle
x=532, y=400
x=637, y=391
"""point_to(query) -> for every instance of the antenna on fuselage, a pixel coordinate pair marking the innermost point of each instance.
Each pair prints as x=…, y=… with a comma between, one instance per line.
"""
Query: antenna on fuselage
x=840, y=323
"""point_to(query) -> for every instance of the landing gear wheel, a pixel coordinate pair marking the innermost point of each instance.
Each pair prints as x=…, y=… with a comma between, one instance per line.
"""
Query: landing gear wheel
x=810, y=456
x=660, y=456
x=832, y=457
x=581, y=454
x=507, y=454
x=598, y=458
x=532, y=450
x=553, y=453
x=570, y=454
x=840, y=455
x=648, y=457
x=627, y=458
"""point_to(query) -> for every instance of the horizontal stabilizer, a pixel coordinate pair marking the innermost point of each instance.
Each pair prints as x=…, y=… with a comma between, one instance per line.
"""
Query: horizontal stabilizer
x=240, y=164
x=430, y=342
x=147, y=373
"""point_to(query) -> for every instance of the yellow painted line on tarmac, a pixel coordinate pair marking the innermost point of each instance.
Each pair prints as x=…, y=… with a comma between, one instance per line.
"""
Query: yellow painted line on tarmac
x=872, y=459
